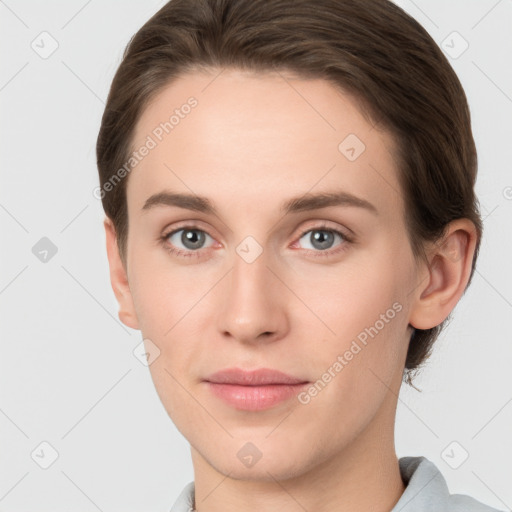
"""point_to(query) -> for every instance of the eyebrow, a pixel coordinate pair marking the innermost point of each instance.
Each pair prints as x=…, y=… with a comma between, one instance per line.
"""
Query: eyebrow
x=302, y=203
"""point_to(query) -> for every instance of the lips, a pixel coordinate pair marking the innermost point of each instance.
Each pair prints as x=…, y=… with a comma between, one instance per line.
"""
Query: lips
x=255, y=390
x=260, y=377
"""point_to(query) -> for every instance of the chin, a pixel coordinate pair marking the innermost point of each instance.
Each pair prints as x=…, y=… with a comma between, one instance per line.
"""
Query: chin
x=262, y=460
x=262, y=471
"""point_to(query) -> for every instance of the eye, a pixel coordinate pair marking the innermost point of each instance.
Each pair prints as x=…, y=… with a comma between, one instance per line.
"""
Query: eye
x=322, y=239
x=185, y=241
x=188, y=241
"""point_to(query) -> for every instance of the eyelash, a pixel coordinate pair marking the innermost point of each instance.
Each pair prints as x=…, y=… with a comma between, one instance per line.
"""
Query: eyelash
x=322, y=227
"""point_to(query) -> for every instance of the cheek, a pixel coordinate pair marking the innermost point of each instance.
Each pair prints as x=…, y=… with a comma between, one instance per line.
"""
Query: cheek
x=162, y=295
x=362, y=315
x=172, y=307
x=165, y=303
x=351, y=297
x=362, y=358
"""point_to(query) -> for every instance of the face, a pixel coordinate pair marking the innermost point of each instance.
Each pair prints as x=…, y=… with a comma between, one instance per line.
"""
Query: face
x=269, y=276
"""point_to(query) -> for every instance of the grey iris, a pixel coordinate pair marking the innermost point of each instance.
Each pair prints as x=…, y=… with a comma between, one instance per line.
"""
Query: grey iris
x=321, y=239
x=192, y=239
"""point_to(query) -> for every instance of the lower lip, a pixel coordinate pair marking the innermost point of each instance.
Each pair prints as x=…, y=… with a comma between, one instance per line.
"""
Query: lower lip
x=255, y=398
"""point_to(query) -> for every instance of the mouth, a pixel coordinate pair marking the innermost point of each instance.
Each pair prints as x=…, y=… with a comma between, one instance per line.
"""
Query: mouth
x=254, y=390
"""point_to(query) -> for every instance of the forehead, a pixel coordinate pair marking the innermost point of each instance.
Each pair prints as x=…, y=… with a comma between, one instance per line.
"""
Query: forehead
x=232, y=132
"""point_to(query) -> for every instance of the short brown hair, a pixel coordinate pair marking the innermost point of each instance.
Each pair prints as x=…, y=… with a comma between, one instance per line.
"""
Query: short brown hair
x=371, y=49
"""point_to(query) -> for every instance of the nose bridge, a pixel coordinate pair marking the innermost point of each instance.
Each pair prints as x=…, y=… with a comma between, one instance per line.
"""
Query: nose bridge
x=251, y=303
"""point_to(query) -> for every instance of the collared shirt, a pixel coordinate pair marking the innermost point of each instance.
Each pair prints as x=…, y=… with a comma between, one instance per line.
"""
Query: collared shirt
x=426, y=491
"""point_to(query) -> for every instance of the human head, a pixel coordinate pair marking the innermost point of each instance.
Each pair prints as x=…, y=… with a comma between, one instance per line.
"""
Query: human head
x=249, y=136
x=371, y=49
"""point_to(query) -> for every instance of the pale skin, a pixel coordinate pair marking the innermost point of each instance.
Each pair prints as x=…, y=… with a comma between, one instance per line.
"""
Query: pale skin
x=253, y=142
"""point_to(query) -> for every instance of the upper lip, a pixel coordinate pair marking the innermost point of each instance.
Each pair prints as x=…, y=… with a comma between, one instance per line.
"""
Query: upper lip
x=259, y=377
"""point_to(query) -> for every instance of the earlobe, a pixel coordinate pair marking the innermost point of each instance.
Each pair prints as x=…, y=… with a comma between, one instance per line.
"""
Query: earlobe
x=447, y=276
x=119, y=279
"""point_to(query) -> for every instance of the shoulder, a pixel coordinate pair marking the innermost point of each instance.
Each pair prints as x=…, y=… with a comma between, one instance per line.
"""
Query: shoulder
x=185, y=501
x=426, y=490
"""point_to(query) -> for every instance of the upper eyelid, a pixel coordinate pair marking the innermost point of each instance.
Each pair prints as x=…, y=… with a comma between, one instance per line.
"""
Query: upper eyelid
x=323, y=225
x=191, y=224
x=311, y=225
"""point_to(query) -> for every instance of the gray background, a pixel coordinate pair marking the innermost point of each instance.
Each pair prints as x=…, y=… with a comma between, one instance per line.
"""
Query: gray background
x=68, y=375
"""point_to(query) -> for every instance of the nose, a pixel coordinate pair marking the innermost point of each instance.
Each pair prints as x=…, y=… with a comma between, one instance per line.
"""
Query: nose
x=253, y=302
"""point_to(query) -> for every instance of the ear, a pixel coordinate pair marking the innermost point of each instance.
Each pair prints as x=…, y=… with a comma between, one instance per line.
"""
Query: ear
x=119, y=279
x=444, y=282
